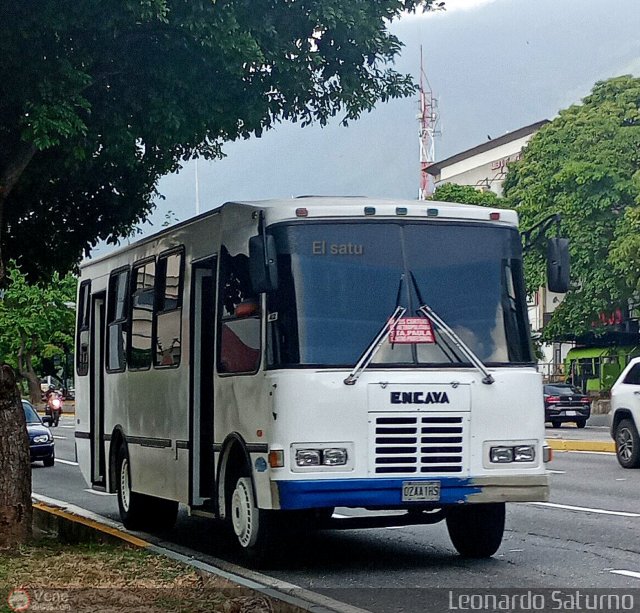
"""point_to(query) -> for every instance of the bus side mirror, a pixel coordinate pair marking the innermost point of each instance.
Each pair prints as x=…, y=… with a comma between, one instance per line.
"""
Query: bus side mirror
x=558, y=265
x=263, y=263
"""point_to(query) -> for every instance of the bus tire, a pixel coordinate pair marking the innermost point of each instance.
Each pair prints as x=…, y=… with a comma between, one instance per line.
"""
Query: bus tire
x=253, y=527
x=627, y=444
x=140, y=511
x=476, y=530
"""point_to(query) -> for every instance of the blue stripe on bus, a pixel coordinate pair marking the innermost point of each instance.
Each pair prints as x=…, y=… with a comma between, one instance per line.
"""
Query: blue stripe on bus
x=364, y=492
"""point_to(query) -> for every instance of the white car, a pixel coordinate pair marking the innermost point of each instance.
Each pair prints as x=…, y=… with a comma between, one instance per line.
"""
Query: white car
x=625, y=415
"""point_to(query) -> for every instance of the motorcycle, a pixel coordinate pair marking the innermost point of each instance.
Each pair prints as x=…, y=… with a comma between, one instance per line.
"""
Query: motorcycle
x=53, y=409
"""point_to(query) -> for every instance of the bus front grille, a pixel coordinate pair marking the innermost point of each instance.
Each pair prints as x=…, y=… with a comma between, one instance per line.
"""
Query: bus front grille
x=418, y=444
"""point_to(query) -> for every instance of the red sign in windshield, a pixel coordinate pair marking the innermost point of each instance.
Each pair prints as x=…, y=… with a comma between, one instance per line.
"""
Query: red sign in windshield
x=412, y=330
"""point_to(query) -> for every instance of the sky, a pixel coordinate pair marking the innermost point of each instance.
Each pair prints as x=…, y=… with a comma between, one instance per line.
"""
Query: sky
x=494, y=66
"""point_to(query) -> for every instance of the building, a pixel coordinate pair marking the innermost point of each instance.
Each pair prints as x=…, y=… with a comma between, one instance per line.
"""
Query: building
x=484, y=166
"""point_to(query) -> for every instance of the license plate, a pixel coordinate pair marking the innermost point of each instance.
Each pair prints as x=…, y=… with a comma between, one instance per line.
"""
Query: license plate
x=420, y=491
x=570, y=413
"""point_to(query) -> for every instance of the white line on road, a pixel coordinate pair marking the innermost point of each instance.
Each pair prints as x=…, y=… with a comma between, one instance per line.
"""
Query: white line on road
x=626, y=573
x=584, y=509
x=64, y=438
x=97, y=493
x=556, y=472
x=67, y=426
x=67, y=462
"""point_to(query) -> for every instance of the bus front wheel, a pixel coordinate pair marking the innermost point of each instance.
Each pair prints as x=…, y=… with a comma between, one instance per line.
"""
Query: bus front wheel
x=476, y=529
x=253, y=527
x=140, y=511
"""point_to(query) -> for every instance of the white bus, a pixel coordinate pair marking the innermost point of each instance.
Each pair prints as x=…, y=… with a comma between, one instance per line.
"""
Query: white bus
x=273, y=360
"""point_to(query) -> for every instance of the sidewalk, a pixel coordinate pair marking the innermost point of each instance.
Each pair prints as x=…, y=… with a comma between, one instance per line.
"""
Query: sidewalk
x=595, y=437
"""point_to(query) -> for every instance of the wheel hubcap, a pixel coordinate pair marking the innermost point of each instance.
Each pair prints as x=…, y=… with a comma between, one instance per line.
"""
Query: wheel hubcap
x=625, y=444
x=125, y=489
x=243, y=514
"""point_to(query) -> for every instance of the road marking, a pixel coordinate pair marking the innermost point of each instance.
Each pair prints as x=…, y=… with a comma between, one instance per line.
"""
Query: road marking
x=556, y=472
x=67, y=426
x=338, y=516
x=64, y=438
x=97, y=493
x=67, y=462
x=626, y=573
x=584, y=509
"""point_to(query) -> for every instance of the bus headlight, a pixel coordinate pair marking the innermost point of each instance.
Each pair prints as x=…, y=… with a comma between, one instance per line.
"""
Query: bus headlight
x=501, y=455
x=335, y=456
x=524, y=453
x=518, y=453
x=308, y=457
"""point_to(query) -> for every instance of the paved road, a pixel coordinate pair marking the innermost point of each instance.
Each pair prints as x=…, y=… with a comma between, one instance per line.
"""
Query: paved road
x=590, y=529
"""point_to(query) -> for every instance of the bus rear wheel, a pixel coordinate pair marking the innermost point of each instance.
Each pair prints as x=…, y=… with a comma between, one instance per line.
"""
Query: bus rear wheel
x=140, y=511
x=476, y=530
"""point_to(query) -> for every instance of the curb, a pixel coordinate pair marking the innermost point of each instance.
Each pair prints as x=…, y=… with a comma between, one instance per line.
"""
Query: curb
x=595, y=446
x=75, y=524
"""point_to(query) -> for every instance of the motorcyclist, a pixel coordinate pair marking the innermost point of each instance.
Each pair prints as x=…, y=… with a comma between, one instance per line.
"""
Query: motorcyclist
x=53, y=406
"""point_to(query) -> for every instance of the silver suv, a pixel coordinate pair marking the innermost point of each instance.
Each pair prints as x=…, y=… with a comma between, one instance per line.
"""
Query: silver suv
x=625, y=414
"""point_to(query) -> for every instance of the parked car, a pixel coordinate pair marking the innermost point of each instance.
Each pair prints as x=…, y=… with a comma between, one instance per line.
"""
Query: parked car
x=625, y=415
x=41, y=445
x=564, y=403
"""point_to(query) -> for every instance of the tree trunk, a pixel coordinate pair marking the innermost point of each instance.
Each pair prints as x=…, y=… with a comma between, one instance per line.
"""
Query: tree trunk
x=26, y=371
x=15, y=465
x=35, y=393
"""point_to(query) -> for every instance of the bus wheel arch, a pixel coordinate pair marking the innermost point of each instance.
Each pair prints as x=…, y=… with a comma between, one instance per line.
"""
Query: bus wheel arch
x=235, y=462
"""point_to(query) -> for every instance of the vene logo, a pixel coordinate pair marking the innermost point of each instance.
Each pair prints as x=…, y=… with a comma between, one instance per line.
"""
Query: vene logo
x=419, y=398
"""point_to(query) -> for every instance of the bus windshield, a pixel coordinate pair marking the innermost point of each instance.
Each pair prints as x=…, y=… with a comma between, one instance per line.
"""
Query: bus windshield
x=338, y=283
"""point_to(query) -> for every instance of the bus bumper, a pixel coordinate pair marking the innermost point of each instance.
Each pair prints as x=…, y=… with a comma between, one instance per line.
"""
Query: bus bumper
x=387, y=493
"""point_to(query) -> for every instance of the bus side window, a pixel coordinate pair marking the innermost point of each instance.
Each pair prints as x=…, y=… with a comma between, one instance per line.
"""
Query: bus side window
x=142, y=299
x=82, y=333
x=168, y=324
x=117, y=315
x=239, y=331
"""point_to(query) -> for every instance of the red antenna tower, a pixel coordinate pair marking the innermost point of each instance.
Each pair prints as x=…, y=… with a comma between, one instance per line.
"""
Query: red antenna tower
x=428, y=118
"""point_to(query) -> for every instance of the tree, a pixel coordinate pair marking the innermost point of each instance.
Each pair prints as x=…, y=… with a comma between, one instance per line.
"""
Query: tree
x=100, y=100
x=35, y=322
x=15, y=475
x=584, y=165
x=466, y=194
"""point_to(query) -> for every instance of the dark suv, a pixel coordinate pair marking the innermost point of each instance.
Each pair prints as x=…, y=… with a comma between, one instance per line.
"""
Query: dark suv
x=563, y=402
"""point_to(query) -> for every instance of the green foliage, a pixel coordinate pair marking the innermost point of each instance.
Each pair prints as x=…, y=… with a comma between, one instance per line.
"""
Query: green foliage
x=115, y=94
x=466, y=194
x=35, y=320
x=584, y=165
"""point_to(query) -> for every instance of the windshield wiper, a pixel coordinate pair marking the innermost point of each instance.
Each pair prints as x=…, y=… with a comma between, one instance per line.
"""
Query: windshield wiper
x=375, y=345
x=428, y=312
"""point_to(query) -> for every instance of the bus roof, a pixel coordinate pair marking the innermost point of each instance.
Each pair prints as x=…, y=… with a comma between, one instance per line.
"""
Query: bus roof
x=355, y=207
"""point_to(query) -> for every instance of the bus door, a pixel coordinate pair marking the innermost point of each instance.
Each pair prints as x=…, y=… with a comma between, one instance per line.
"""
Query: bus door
x=202, y=461
x=96, y=415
